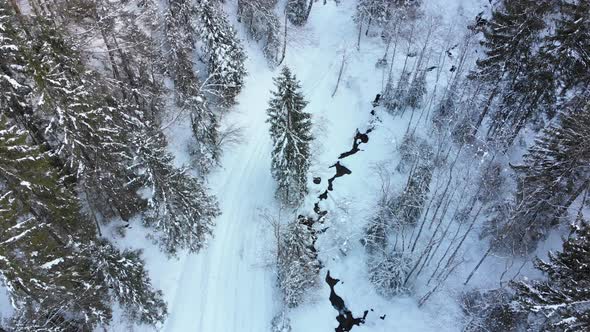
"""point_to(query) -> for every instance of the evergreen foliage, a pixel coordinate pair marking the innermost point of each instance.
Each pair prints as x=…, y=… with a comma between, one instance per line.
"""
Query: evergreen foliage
x=123, y=273
x=44, y=244
x=416, y=91
x=290, y=130
x=222, y=51
x=560, y=303
x=554, y=174
x=262, y=25
x=297, y=11
x=395, y=95
x=513, y=70
x=180, y=37
x=177, y=205
x=567, y=48
x=298, y=266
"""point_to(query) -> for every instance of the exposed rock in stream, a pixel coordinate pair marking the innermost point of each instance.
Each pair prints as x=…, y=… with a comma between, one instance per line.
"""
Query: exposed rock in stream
x=345, y=318
x=358, y=139
x=340, y=171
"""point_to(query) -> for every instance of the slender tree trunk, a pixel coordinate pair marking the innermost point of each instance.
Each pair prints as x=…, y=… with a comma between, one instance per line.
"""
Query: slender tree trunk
x=308, y=9
x=487, y=253
x=284, y=41
x=485, y=110
x=358, y=40
x=368, y=26
x=339, y=74
x=393, y=54
x=240, y=9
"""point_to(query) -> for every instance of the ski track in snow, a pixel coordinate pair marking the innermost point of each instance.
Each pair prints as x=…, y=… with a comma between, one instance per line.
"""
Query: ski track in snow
x=218, y=286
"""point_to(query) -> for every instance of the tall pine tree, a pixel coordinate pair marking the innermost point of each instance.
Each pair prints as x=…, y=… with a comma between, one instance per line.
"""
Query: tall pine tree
x=554, y=174
x=290, y=130
x=179, y=207
x=222, y=50
x=44, y=239
x=560, y=303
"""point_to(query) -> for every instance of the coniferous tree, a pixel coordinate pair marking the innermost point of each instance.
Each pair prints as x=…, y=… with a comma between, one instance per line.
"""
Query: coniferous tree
x=383, y=12
x=394, y=95
x=290, y=130
x=44, y=247
x=222, y=51
x=555, y=172
x=123, y=273
x=82, y=125
x=262, y=25
x=509, y=38
x=180, y=36
x=560, y=303
x=297, y=11
x=492, y=310
x=298, y=265
x=446, y=110
x=272, y=43
x=178, y=207
x=567, y=49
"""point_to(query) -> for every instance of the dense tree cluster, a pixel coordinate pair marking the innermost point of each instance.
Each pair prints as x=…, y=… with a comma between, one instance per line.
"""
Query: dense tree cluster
x=560, y=303
x=263, y=25
x=82, y=144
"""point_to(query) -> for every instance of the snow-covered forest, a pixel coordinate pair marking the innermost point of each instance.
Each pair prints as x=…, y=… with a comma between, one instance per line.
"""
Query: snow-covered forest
x=294, y=165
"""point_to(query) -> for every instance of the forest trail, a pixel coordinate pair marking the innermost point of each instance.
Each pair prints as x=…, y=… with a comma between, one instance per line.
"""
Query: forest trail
x=218, y=286
x=229, y=286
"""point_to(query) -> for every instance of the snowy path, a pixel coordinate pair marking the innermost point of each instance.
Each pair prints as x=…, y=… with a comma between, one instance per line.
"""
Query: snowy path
x=227, y=287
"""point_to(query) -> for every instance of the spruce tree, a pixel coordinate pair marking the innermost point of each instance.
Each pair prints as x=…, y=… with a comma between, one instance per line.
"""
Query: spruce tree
x=123, y=273
x=555, y=172
x=446, y=111
x=567, y=48
x=178, y=206
x=180, y=37
x=297, y=11
x=298, y=265
x=510, y=59
x=44, y=239
x=222, y=51
x=394, y=96
x=82, y=125
x=416, y=91
x=262, y=24
x=560, y=303
x=290, y=130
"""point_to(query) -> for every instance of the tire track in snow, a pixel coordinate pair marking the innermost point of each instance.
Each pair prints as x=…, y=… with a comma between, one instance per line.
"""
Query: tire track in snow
x=218, y=286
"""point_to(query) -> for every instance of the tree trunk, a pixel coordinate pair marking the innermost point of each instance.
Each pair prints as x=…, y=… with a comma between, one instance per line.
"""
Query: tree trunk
x=308, y=9
x=284, y=41
x=487, y=253
x=339, y=74
x=486, y=108
x=368, y=26
x=358, y=40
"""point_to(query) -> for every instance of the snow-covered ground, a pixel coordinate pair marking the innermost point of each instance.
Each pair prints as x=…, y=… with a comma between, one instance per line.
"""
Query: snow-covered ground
x=229, y=286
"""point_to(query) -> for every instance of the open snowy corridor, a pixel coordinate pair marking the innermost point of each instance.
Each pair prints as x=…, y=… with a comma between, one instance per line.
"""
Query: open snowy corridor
x=227, y=286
